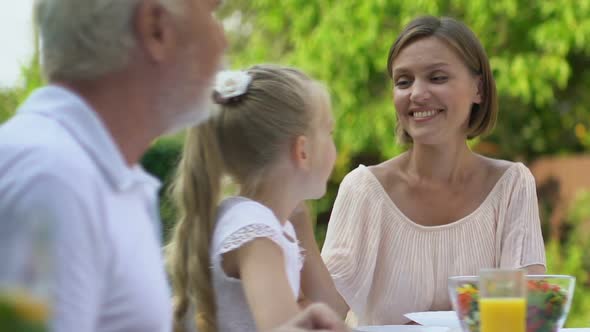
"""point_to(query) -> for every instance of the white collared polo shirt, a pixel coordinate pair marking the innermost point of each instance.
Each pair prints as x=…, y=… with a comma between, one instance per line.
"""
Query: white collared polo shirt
x=59, y=166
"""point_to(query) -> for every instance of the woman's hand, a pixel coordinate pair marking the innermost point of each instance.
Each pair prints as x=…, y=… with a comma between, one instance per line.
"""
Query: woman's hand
x=316, y=317
x=536, y=269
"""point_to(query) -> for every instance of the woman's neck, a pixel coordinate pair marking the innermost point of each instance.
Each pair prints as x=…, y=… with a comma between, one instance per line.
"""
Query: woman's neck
x=449, y=163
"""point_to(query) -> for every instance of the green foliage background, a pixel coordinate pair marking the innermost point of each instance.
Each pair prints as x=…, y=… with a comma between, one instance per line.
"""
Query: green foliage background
x=539, y=51
x=534, y=49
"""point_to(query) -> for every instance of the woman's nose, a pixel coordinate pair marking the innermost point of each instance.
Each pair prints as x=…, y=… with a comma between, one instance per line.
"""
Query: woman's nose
x=420, y=91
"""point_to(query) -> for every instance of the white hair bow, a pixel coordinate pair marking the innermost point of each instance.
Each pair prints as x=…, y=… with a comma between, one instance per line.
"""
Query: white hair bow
x=232, y=83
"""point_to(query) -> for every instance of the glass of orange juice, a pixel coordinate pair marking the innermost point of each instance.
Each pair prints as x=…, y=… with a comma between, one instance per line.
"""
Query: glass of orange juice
x=25, y=276
x=502, y=301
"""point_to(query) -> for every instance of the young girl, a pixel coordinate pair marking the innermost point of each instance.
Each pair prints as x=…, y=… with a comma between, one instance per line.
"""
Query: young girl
x=236, y=264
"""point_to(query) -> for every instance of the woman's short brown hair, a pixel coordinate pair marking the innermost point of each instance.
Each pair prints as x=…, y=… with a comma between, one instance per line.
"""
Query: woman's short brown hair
x=467, y=46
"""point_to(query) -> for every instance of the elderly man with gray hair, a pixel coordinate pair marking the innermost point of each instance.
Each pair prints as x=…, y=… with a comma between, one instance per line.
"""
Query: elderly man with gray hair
x=121, y=73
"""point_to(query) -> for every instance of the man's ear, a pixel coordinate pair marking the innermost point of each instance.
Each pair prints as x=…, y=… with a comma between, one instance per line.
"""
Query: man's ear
x=155, y=30
x=300, y=153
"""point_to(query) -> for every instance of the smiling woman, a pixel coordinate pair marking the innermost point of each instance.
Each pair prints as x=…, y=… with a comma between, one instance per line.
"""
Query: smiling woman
x=429, y=80
x=448, y=49
x=400, y=229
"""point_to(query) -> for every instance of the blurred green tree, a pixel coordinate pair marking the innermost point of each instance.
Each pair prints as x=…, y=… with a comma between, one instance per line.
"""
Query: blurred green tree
x=534, y=48
x=31, y=78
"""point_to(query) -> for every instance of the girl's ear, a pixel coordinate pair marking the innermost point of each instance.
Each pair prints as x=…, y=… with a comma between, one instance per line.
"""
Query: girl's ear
x=300, y=153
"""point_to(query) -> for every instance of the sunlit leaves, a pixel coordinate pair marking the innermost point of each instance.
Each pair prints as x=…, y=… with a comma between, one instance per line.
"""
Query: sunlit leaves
x=345, y=44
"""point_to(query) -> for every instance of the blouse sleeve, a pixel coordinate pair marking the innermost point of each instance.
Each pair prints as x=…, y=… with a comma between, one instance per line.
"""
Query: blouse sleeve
x=246, y=234
x=521, y=237
x=351, y=246
x=243, y=223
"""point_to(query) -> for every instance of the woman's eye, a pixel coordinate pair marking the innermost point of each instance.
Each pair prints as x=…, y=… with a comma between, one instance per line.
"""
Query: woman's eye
x=440, y=79
x=402, y=83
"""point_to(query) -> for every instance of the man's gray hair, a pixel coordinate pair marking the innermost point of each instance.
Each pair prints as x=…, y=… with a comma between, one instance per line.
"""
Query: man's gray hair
x=85, y=39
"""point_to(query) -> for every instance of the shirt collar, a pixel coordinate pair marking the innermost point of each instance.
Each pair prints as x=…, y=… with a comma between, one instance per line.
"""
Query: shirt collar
x=84, y=124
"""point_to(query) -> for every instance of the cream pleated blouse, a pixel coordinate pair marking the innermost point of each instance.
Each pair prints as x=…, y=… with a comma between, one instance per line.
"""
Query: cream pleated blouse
x=385, y=265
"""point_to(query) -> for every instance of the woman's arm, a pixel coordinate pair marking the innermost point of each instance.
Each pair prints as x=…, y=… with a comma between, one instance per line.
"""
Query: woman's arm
x=522, y=239
x=316, y=282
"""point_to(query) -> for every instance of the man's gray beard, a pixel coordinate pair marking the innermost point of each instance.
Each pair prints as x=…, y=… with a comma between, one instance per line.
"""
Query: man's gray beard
x=191, y=115
x=177, y=114
x=195, y=115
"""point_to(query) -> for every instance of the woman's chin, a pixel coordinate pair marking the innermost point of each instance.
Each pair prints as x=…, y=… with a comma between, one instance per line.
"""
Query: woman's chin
x=426, y=139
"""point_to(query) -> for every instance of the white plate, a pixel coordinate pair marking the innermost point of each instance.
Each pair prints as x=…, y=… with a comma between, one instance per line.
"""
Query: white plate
x=399, y=328
x=435, y=318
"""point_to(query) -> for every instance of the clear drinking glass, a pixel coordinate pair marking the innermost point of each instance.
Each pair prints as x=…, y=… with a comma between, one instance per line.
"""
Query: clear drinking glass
x=502, y=300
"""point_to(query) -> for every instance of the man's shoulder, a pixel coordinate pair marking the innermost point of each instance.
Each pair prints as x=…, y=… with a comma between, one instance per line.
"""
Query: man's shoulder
x=30, y=143
x=45, y=159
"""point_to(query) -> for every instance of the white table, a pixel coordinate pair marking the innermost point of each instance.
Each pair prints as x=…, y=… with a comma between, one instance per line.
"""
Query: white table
x=417, y=328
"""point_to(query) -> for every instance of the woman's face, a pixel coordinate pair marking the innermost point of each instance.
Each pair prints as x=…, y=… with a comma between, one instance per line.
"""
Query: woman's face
x=433, y=91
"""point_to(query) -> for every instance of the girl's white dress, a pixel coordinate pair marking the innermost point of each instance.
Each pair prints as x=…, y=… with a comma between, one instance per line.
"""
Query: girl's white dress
x=239, y=221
